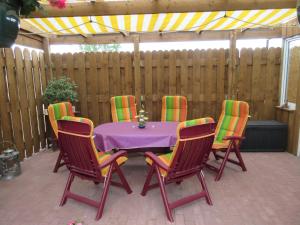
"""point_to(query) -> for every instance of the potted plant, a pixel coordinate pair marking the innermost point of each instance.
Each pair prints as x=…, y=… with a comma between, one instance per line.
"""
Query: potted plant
x=10, y=10
x=60, y=90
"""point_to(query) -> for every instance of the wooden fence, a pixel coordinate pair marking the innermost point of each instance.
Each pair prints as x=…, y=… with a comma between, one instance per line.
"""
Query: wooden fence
x=199, y=75
x=22, y=81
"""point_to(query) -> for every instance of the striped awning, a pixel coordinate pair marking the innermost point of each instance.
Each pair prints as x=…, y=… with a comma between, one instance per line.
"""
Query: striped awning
x=164, y=22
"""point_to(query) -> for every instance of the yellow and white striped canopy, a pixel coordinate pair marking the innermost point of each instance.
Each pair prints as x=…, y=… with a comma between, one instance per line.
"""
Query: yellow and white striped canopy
x=164, y=22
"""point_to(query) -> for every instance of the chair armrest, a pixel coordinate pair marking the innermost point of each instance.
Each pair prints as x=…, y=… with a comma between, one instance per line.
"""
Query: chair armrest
x=233, y=138
x=156, y=160
x=113, y=158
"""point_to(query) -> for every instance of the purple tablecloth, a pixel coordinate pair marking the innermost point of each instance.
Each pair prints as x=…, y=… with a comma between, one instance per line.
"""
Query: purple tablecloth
x=127, y=135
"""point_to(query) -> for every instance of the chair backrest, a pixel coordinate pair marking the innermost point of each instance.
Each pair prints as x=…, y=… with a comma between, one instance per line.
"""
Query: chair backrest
x=194, y=143
x=57, y=111
x=75, y=138
x=123, y=108
x=174, y=108
x=233, y=120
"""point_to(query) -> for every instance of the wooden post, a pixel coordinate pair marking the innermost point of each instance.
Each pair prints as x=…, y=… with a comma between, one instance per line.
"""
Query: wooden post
x=137, y=69
x=232, y=66
x=296, y=133
x=48, y=63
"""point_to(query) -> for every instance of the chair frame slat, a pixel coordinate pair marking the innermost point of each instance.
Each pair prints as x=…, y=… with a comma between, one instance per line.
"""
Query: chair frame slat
x=190, y=156
x=78, y=153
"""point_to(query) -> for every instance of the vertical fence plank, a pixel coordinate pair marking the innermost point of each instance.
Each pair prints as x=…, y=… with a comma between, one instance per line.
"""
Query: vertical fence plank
x=128, y=74
x=43, y=72
x=208, y=86
x=23, y=102
x=262, y=93
x=160, y=81
x=172, y=72
x=14, y=102
x=220, y=81
x=38, y=94
x=256, y=74
x=137, y=70
x=4, y=110
x=70, y=66
x=184, y=73
x=202, y=61
x=92, y=78
x=269, y=109
x=116, y=76
x=148, y=84
x=104, y=86
x=58, y=65
x=245, y=75
x=80, y=77
x=196, y=84
x=31, y=99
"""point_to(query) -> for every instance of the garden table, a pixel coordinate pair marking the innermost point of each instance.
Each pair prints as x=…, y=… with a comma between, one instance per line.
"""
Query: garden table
x=127, y=135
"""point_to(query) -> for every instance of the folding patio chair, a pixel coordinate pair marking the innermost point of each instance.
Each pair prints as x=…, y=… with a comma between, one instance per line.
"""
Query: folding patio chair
x=229, y=134
x=174, y=108
x=123, y=108
x=75, y=137
x=56, y=112
x=194, y=142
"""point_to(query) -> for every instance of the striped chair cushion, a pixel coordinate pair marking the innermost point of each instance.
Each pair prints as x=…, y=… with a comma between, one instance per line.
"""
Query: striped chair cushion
x=100, y=155
x=174, y=108
x=194, y=122
x=232, y=121
x=123, y=108
x=57, y=111
x=167, y=158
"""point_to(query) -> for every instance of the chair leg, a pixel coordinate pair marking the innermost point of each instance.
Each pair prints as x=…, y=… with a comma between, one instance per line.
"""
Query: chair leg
x=58, y=162
x=204, y=187
x=123, y=179
x=67, y=189
x=148, y=180
x=215, y=155
x=239, y=156
x=179, y=182
x=105, y=192
x=220, y=172
x=164, y=195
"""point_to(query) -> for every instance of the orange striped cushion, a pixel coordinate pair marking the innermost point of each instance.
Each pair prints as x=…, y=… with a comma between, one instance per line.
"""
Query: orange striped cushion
x=174, y=108
x=57, y=111
x=232, y=121
x=123, y=108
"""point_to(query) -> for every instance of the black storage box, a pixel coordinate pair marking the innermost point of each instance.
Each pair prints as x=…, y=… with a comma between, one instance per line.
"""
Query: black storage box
x=265, y=136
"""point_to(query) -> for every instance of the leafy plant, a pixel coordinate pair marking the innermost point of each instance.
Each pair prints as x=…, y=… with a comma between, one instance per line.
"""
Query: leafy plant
x=59, y=90
x=100, y=47
x=28, y=6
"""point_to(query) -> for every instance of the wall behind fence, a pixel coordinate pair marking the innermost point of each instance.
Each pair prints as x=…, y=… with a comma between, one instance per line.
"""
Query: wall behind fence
x=199, y=75
x=22, y=81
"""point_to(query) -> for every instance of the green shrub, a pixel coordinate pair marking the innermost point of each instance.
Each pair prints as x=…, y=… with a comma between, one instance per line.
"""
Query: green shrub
x=60, y=90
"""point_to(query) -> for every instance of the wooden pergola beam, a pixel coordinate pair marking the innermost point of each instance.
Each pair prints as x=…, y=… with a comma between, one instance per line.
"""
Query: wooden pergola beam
x=102, y=8
x=31, y=29
x=32, y=41
x=167, y=37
